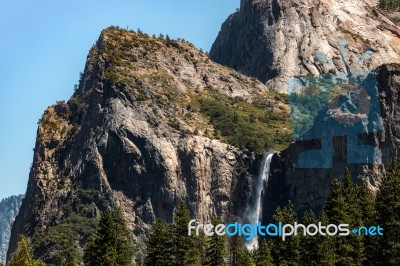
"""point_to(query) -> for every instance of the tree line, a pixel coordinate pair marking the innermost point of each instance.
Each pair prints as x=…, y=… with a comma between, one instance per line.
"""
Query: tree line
x=348, y=203
x=111, y=245
x=169, y=243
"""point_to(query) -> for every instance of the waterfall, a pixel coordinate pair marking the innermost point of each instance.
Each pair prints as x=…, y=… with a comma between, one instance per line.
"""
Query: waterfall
x=253, y=214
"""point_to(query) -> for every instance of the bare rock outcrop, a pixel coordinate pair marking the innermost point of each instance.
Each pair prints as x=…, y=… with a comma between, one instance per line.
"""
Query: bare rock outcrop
x=308, y=188
x=134, y=134
x=275, y=40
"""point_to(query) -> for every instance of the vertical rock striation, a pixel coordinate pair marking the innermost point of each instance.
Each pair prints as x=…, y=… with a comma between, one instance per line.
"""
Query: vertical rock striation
x=275, y=40
x=134, y=134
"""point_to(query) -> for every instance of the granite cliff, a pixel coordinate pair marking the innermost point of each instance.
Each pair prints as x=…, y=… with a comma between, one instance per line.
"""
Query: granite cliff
x=152, y=123
x=316, y=44
x=309, y=187
x=275, y=40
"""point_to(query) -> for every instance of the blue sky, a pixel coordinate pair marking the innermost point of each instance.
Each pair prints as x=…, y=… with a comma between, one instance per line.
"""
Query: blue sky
x=43, y=48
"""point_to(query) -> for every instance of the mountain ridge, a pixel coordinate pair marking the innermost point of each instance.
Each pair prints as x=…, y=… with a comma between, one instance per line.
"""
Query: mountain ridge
x=153, y=122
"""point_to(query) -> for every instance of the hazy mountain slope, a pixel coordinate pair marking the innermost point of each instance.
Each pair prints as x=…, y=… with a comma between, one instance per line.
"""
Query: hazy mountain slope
x=9, y=208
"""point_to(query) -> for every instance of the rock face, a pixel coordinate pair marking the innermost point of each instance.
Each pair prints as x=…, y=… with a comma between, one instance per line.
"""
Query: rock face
x=389, y=89
x=309, y=188
x=155, y=122
x=9, y=208
x=133, y=134
x=275, y=40
x=285, y=42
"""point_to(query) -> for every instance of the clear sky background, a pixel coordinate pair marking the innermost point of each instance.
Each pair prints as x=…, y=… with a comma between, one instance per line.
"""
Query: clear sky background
x=43, y=47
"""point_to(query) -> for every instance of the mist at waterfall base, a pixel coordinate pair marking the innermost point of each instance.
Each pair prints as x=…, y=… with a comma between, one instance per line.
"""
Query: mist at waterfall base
x=253, y=213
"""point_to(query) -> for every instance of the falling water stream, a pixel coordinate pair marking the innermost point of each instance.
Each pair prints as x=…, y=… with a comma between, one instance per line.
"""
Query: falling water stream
x=254, y=210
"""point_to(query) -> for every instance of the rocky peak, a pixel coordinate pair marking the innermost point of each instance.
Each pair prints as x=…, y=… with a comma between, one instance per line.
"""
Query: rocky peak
x=275, y=40
x=153, y=122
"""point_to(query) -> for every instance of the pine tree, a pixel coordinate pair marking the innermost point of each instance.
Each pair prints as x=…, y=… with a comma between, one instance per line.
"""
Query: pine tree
x=70, y=255
x=352, y=251
x=112, y=243
x=246, y=257
x=286, y=252
x=388, y=216
x=343, y=207
x=216, y=248
x=125, y=244
x=336, y=204
x=308, y=244
x=202, y=245
x=263, y=255
x=366, y=203
x=186, y=247
x=160, y=245
x=239, y=255
x=23, y=256
x=326, y=250
x=235, y=245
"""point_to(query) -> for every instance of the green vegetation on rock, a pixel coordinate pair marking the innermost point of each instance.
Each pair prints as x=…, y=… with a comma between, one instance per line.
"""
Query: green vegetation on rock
x=254, y=126
x=390, y=5
x=139, y=63
x=62, y=242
